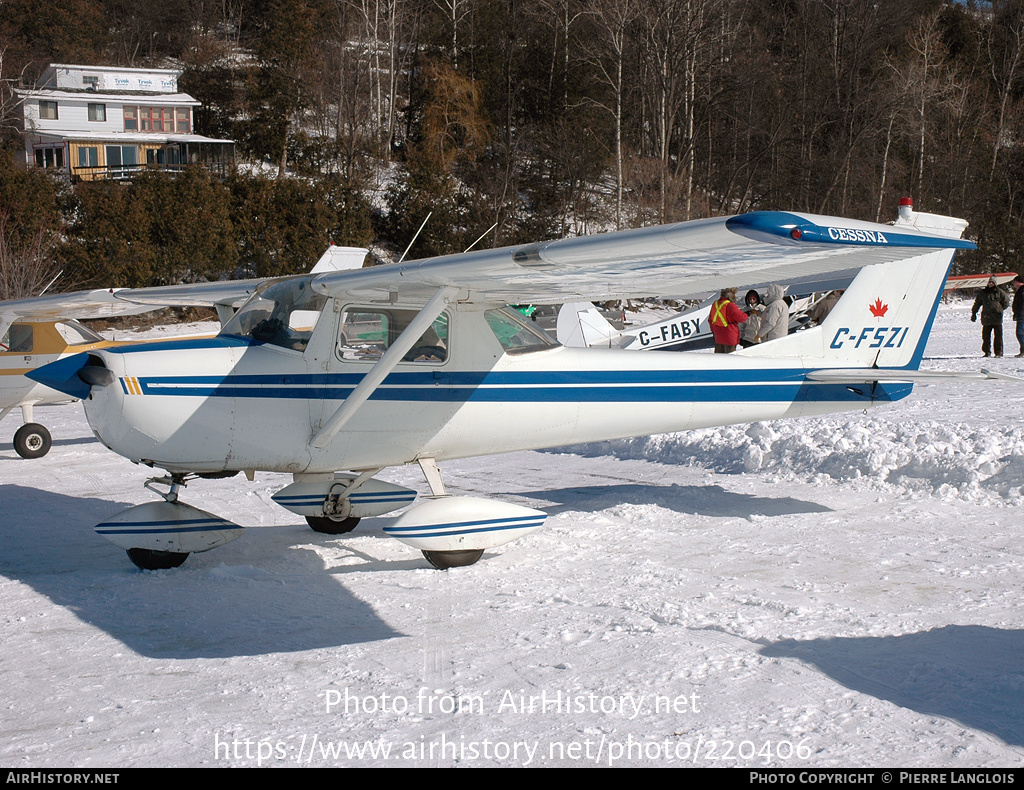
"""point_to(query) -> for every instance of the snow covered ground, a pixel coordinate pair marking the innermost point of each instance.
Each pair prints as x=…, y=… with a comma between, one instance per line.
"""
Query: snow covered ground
x=843, y=591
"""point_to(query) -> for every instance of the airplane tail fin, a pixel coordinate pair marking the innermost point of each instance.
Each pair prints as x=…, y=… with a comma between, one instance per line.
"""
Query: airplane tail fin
x=882, y=320
x=337, y=259
x=581, y=325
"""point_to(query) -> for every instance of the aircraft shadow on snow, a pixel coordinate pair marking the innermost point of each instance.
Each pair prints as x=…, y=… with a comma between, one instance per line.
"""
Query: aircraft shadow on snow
x=703, y=500
x=968, y=673
x=221, y=604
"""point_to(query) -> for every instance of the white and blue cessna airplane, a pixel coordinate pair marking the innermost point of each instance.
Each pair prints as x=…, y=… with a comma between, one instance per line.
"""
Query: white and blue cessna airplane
x=333, y=377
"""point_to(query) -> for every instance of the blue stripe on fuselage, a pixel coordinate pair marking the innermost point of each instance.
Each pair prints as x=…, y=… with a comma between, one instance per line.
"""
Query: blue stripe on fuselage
x=558, y=387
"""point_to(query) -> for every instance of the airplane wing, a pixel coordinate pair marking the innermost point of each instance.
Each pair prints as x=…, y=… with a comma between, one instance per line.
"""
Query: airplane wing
x=226, y=292
x=681, y=260
x=977, y=280
x=106, y=303
x=57, y=307
x=233, y=293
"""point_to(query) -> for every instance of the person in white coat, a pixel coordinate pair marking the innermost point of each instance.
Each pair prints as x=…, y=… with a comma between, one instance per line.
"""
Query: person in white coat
x=775, y=318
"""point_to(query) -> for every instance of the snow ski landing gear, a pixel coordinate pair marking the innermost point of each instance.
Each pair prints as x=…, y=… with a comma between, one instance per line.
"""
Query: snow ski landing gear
x=160, y=535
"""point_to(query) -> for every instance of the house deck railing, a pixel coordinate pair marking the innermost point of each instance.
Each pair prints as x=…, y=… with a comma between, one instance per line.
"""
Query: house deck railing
x=125, y=172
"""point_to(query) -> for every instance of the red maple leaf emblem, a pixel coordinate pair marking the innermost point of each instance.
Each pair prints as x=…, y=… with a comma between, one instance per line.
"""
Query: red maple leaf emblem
x=878, y=309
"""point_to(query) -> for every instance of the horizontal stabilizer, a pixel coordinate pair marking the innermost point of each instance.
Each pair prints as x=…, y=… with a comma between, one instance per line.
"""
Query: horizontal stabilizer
x=868, y=375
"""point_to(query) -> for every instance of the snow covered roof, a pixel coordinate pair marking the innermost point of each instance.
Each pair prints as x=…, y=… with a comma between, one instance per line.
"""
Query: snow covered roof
x=127, y=137
x=125, y=97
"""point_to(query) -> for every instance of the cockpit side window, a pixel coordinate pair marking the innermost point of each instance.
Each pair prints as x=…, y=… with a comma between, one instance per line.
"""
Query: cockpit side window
x=17, y=339
x=516, y=335
x=282, y=313
x=366, y=333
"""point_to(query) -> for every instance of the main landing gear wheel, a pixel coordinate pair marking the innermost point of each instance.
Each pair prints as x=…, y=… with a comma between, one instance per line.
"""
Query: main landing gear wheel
x=332, y=526
x=443, y=560
x=32, y=440
x=151, y=560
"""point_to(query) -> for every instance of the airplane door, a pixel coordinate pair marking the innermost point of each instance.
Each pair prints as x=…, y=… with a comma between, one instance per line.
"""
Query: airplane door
x=404, y=411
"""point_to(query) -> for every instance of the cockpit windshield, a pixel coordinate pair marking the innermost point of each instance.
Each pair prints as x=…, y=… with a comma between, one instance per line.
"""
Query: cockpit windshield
x=281, y=313
x=75, y=334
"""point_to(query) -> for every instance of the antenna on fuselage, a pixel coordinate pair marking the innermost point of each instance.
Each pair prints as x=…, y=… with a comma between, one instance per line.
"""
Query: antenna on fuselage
x=47, y=288
x=471, y=246
x=415, y=237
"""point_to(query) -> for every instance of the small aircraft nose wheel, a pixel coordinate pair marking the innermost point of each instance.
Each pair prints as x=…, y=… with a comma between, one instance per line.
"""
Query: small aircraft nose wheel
x=32, y=440
x=150, y=560
x=443, y=560
x=332, y=526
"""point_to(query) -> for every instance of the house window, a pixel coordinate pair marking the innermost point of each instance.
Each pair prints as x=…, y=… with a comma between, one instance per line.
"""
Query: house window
x=90, y=82
x=156, y=119
x=50, y=157
x=167, y=119
x=122, y=156
x=48, y=110
x=163, y=156
x=88, y=156
x=97, y=112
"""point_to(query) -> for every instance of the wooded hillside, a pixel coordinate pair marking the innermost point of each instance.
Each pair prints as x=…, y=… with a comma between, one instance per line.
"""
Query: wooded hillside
x=540, y=118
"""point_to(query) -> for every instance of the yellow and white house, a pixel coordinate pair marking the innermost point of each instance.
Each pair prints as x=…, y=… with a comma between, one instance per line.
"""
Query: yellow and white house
x=108, y=122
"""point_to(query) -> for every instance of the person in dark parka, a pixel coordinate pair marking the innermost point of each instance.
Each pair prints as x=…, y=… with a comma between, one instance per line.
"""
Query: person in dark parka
x=1018, y=310
x=992, y=301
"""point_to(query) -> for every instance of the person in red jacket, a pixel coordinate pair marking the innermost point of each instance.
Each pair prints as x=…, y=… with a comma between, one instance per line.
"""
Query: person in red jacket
x=725, y=319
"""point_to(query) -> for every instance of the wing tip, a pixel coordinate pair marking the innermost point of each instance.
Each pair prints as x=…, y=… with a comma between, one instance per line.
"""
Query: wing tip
x=783, y=227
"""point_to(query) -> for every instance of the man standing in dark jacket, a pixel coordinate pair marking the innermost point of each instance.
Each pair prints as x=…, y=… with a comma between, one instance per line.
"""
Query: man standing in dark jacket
x=992, y=301
x=1018, y=310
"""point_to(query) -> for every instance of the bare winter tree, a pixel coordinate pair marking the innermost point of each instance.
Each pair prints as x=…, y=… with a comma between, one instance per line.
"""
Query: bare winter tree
x=681, y=40
x=27, y=263
x=9, y=103
x=1005, y=49
x=455, y=13
x=613, y=20
x=924, y=81
x=380, y=59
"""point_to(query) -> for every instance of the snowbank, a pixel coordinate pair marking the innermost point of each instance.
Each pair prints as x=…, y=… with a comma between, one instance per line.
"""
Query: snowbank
x=951, y=460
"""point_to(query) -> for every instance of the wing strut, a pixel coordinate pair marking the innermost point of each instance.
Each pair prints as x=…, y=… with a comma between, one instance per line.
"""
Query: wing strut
x=403, y=343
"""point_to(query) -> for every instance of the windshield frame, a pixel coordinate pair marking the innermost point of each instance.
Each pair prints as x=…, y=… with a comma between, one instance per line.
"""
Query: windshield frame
x=266, y=316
